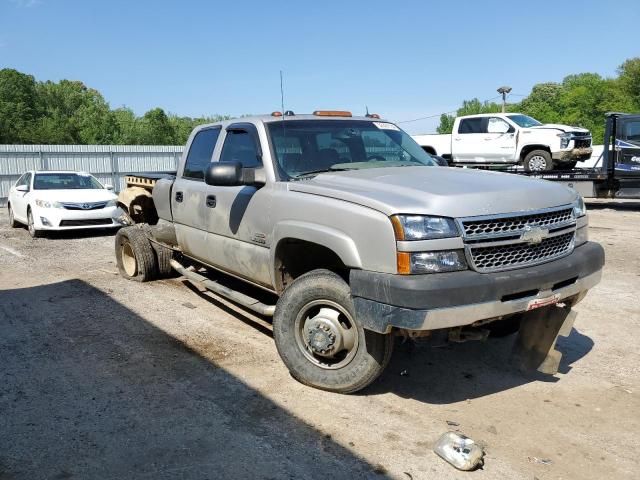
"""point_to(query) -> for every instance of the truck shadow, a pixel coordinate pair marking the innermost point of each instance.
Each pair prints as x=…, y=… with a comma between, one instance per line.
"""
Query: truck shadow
x=92, y=390
x=632, y=205
x=450, y=373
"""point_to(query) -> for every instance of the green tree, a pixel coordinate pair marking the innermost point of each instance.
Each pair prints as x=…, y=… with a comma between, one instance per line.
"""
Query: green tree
x=629, y=77
x=18, y=106
x=156, y=129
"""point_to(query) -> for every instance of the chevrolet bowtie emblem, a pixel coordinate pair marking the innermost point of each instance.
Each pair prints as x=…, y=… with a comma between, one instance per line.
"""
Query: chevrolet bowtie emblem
x=534, y=235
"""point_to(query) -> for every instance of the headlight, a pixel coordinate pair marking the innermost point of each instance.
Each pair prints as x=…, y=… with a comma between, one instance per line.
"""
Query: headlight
x=48, y=204
x=421, y=227
x=579, y=208
x=431, y=262
x=565, y=138
x=112, y=203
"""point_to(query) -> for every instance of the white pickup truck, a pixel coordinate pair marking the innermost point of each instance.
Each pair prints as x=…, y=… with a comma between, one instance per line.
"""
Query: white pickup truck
x=510, y=138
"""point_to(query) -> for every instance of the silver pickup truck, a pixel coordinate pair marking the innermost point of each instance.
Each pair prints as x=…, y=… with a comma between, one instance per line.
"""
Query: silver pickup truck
x=358, y=235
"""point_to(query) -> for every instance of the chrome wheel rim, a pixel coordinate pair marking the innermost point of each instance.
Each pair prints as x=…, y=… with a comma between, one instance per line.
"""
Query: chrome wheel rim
x=537, y=163
x=128, y=259
x=31, y=226
x=326, y=334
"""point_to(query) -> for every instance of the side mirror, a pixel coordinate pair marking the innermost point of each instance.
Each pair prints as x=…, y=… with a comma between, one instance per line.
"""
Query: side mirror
x=108, y=187
x=442, y=162
x=22, y=188
x=224, y=174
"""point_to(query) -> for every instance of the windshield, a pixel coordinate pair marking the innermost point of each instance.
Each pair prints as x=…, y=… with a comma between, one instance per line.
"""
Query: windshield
x=305, y=147
x=65, y=181
x=524, y=121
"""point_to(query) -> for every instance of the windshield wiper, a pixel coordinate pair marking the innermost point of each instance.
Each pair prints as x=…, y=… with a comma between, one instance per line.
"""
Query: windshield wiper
x=322, y=170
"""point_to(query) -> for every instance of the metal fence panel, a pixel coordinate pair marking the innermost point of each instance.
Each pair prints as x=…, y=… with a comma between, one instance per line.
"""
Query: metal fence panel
x=108, y=163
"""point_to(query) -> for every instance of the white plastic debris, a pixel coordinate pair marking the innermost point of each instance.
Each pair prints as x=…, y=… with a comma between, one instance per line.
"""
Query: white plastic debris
x=460, y=451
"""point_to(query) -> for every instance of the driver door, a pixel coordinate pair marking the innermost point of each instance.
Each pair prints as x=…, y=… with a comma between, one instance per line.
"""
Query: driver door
x=627, y=166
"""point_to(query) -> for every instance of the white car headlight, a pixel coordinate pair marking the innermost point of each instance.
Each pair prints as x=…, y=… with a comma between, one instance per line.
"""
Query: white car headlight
x=422, y=227
x=112, y=203
x=565, y=138
x=579, y=208
x=48, y=204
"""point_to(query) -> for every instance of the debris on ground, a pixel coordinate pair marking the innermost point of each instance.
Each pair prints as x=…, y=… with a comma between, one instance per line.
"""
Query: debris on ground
x=189, y=305
x=460, y=451
x=543, y=461
x=452, y=424
x=404, y=373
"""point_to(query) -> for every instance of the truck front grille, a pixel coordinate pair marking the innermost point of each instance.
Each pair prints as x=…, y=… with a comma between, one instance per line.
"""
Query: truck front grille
x=516, y=224
x=490, y=259
x=512, y=241
x=579, y=143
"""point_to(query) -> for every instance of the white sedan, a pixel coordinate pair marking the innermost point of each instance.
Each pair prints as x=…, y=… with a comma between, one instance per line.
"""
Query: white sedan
x=48, y=200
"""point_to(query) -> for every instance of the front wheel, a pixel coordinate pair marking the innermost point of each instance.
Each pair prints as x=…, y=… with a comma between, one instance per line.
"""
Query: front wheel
x=538, y=161
x=33, y=231
x=319, y=339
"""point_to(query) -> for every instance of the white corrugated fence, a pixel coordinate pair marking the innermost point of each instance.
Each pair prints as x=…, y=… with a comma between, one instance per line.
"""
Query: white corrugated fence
x=108, y=163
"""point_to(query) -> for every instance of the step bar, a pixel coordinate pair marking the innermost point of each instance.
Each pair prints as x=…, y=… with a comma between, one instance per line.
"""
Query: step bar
x=240, y=298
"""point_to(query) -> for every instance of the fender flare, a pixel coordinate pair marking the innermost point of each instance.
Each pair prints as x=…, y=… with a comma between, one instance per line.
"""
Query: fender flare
x=335, y=240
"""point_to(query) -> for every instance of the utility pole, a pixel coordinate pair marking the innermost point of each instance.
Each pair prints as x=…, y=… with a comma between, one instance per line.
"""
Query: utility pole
x=504, y=91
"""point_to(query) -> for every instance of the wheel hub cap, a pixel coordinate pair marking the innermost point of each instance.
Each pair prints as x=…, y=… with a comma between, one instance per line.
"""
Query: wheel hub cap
x=537, y=163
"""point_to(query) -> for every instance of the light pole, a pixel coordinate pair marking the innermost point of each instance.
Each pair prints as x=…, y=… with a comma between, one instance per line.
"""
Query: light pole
x=504, y=91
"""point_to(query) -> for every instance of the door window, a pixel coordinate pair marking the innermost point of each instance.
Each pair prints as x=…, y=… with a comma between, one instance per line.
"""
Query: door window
x=497, y=125
x=631, y=132
x=472, y=125
x=200, y=153
x=239, y=146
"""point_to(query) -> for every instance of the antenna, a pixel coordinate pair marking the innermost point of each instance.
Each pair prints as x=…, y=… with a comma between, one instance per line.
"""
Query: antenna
x=282, y=93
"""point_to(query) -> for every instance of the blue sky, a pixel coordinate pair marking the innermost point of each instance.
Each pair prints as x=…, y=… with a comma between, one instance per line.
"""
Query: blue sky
x=404, y=59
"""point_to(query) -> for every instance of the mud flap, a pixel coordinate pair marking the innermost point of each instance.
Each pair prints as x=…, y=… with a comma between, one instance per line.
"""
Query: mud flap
x=535, y=345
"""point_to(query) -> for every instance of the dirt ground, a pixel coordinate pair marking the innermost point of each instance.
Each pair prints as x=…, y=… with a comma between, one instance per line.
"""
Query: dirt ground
x=105, y=378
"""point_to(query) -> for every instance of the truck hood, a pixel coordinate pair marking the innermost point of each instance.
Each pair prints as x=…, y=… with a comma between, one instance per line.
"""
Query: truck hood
x=442, y=191
x=562, y=128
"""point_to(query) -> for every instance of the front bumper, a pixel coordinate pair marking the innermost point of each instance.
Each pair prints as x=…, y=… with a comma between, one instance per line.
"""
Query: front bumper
x=582, y=153
x=63, y=219
x=430, y=302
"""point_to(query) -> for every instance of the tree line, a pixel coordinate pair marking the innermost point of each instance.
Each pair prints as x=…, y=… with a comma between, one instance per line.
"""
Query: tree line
x=69, y=112
x=580, y=100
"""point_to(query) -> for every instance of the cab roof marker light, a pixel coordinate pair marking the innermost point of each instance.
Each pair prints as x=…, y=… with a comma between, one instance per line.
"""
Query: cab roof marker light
x=276, y=114
x=372, y=115
x=332, y=113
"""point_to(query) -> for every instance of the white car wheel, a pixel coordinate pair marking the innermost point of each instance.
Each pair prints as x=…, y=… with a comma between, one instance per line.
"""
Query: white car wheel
x=33, y=231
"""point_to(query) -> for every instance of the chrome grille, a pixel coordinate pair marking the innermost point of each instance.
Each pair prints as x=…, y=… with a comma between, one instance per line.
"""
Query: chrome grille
x=516, y=224
x=84, y=205
x=503, y=257
x=510, y=241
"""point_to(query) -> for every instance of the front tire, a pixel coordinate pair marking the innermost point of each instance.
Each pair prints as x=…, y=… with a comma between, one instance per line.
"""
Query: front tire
x=319, y=339
x=538, y=161
x=31, y=226
x=134, y=255
x=12, y=220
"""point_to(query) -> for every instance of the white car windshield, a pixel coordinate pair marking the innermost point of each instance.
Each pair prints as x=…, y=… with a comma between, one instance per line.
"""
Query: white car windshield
x=524, y=121
x=65, y=181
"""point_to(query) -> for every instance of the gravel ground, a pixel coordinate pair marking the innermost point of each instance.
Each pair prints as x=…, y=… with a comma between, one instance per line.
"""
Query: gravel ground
x=105, y=378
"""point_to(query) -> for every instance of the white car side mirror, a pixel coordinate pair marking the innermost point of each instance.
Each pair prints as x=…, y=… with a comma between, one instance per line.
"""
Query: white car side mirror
x=109, y=187
x=22, y=188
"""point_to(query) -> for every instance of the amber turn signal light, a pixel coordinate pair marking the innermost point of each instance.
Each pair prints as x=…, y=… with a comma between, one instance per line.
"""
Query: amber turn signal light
x=332, y=113
x=404, y=263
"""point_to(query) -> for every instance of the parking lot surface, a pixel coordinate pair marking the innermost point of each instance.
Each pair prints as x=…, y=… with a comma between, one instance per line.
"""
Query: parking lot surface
x=105, y=378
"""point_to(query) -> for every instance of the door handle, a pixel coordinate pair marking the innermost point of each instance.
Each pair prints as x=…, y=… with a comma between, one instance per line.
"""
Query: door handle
x=179, y=197
x=211, y=201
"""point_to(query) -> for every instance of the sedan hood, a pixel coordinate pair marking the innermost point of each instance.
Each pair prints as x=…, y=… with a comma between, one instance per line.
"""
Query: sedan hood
x=75, y=196
x=442, y=191
x=562, y=128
